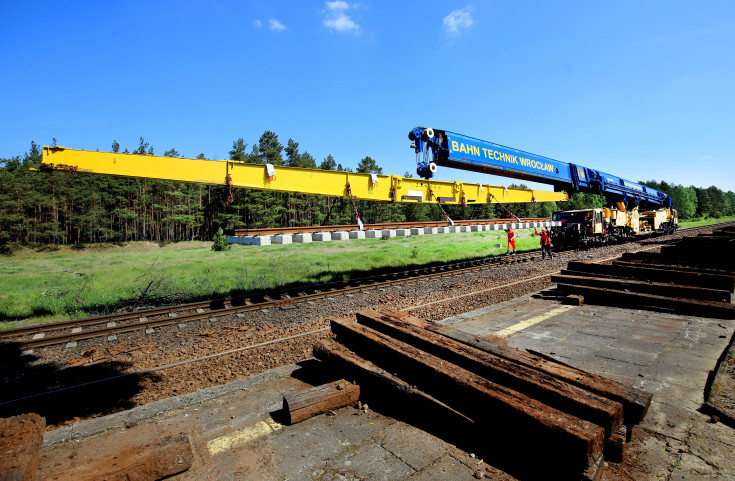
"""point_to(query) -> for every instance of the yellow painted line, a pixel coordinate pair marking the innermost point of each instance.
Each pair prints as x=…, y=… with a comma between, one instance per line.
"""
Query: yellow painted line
x=242, y=436
x=530, y=322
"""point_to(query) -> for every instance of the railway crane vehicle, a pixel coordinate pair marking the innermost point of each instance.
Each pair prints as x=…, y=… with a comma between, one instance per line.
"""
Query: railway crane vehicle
x=577, y=228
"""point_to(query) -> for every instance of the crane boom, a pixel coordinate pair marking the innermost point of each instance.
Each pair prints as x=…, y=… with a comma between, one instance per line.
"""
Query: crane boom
x=440, y=147
x=230, y=173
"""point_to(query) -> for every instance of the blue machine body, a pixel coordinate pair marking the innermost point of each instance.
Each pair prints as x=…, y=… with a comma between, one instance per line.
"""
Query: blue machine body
x=449, y=149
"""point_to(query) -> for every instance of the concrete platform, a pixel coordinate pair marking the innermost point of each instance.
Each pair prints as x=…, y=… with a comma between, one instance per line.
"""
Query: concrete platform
x=666, y=354
x=236, y=432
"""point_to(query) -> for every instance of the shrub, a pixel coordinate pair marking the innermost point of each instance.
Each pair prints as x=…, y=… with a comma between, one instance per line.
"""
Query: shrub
x=220, y=241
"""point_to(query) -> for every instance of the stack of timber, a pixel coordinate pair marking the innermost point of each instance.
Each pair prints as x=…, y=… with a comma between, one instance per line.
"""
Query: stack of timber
x=549, y=415
x=695, y=276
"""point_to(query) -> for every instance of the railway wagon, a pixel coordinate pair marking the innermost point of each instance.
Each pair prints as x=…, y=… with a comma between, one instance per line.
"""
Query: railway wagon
x=585, y=228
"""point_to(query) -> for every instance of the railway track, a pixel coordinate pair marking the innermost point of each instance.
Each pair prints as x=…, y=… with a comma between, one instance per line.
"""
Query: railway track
x=181, y=369
x=43, y=335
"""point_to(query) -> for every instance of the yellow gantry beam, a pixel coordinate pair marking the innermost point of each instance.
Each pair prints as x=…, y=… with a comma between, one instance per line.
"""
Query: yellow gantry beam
x=385, y=188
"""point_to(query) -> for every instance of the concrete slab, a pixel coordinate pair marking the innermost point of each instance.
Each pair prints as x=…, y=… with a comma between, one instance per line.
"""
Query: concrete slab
x=303, y=238
x=416, y=231
x=412, y=446
x=321, y=237
x=373, y=234
x=431, y=230
x=357, y=234
x=403, y=232
x=340, y=235
x=388, y=233
x=250, y=240
x=442, y=230
x=282, y=239
x=446, y=467
x=368, y=462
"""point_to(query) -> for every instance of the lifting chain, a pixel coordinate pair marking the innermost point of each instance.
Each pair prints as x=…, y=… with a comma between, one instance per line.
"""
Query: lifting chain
x=228, y=180
x=446, y=216
x=505, y=208
x=348, y=191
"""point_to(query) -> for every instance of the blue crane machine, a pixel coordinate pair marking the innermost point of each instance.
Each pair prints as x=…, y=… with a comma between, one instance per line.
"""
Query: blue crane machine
x=443, y=148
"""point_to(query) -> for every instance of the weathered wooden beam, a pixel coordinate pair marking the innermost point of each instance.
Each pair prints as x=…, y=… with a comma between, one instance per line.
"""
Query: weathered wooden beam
x=303, y=405
x=711, y=256
x=643, y=287
x=160, y=460
x=635, y=401
x=616, y=298
x=576, y=442
x=538, y=385
x=720, y=275
x=674, y=257
x=20, y=446
x=643, y=273
x=391, y=387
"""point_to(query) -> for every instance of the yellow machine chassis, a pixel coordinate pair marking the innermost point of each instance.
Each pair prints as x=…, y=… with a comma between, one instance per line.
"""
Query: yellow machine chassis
x=384, y=188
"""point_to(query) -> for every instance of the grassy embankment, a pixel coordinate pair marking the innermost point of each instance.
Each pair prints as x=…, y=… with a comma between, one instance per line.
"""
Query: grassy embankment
x=61, y=283
x=706, y=221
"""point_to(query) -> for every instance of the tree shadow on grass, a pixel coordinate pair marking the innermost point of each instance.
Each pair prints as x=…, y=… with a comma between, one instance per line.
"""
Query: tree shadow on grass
x=61, y=393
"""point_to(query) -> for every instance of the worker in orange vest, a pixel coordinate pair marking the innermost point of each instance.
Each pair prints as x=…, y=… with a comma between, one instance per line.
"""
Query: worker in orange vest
x=511, y=240
x=545, y=243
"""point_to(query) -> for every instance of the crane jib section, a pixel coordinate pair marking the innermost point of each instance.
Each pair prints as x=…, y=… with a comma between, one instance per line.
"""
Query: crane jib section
x=234, y=174
x=443, y=148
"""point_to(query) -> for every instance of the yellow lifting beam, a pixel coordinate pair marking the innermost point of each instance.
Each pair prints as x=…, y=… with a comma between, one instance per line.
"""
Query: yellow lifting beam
x=385, y=188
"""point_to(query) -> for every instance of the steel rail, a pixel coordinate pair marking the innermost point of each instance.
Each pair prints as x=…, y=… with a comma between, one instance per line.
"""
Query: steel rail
x=382, y=225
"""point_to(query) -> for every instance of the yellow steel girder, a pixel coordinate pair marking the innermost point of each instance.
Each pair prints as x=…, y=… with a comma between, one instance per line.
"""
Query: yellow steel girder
x=385, y=188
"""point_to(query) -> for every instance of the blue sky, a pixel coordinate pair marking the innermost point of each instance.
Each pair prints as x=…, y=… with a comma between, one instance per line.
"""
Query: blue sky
x=643, y=90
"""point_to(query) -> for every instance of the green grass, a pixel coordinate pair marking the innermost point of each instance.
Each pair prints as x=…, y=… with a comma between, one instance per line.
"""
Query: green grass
x=56, y=284
x=705, y=221
x=51, y=284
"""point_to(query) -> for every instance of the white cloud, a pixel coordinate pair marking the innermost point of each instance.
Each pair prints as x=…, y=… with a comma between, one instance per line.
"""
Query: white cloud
x=458, y=22
x=257, y=22
x=276, y=26
x=336, y=18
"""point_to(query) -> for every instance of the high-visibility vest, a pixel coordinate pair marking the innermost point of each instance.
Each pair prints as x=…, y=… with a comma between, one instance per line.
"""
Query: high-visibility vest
x=545, y=238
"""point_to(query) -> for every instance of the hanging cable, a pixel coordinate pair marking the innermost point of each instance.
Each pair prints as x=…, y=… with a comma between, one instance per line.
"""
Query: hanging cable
x=505, y=208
